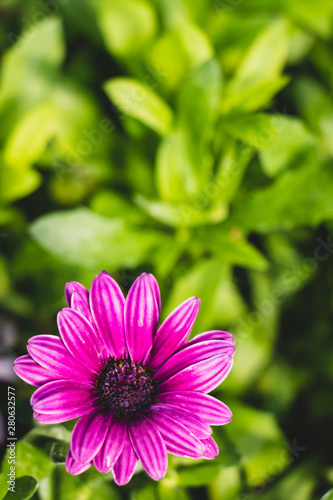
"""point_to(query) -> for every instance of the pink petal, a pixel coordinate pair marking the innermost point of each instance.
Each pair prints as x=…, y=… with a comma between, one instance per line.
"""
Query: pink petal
x=157, y=294
x=174, y=331
x=31, y=372
x=50, y=352
x=191, y=421
x=63, y=398
x=107, y=305
x=202, y=377
x=88, y=435
x=69, y=290
x=81, y=305
x=213, y=411
x=81, y=339
x=149, y=447
x=140, y=318
x=176, y=436
x=124, y=467
x=191, y=354
x=59, y=417
x=74, y=467
x=112, y=446
x=213, y=335
x=211, y=448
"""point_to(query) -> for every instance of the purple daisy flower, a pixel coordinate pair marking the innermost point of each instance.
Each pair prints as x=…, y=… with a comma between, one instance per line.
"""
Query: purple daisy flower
x=140, y=391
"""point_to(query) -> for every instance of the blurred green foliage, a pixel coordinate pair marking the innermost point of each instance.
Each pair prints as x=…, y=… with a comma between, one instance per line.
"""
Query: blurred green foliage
x=192, y=139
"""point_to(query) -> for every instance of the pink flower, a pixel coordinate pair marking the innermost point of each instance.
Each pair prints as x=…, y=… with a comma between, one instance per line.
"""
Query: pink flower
x=141, y=390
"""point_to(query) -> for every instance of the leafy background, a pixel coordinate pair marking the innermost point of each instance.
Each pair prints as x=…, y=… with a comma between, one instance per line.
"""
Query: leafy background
x=194, y=140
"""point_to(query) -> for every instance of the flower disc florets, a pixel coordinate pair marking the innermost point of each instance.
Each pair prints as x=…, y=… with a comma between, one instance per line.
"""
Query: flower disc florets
x=124, y=388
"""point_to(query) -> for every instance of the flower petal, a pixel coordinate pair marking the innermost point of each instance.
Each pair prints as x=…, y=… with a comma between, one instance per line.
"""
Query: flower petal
x=74, y=467
x=59, y=416
x=213, y=411
x=63, y=398
x=81, y=305
x=190, y=354
x=212, y=335
x=194, y=424
x=149, y=447
x=107, y=305
x=112, y=446
x=69, y=290
x=31, y=372
x=202, y=377
x=174, y=331
x=88, y=435
x=211, y=448
x=140, y=318
x=81, y=339
x=157, y=294
x=176, y=436
x=124, y=467
x=50, y=352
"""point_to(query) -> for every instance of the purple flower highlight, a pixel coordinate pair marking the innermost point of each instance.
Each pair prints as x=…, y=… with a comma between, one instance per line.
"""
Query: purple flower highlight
x=141, y=391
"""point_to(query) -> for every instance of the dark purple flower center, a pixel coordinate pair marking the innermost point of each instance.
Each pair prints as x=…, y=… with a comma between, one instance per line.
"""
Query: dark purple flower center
x=124, y=388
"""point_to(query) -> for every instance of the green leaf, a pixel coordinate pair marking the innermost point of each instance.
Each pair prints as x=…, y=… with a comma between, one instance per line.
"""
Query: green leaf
x=189, y=214
x=3, y=485
x=30, y=137
x=139, y=172
x=292, y=140
x=199, y=475
x=29, y=460
x=229, y=482
x=167, y=62
x=81, y=132
x=25, y=487
x=253, y=98
x=231, y=248
x=84, y=238
x=126, y=26
x=300, y=197
x=58, y=452
x=146, y=492
x=227, y=457
x=260, y=441
x=175, y=53
x=28, y=67
x=45, y=436
x=258, y=77
x=279, y=138
x=90, y=485
x=220, y=301
x=199, y=99
x=195, y=44
x=230, y=171
x=169, y=490
x=258, y=130
x=169, y=255
x=139, y=101
x=298, y=484
x=328, y=495
x=184, y=160
x=264, y=58
x=316, y=106
x=17, y=183
x=7, y=215
x=316, y=18
x=111, y=204
x=176, y=177
x=4, y=276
